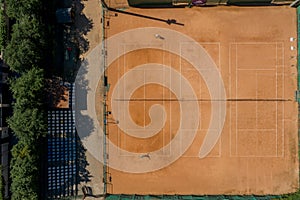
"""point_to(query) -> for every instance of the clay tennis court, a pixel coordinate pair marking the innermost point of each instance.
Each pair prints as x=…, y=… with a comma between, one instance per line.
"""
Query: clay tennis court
x=257, y=150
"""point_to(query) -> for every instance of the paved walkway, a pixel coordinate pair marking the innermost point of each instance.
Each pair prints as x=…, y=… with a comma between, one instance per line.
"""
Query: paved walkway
x=117, y=3
x=92, y=11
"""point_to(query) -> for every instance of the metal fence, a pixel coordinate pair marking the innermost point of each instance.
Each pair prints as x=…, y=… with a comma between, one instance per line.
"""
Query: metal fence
x=62, y=142
x=189, y=197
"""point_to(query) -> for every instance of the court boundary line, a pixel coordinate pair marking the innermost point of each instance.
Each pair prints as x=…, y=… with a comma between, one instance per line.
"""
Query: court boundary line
x=163, y=45
x=277, y=63
x=219, y=68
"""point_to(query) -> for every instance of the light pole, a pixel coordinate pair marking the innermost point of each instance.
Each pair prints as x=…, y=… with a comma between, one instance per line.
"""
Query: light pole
x=168, y=21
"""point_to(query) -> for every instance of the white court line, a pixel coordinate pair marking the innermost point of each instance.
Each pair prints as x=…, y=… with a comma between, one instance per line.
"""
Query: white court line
x=276, y=94
x=123, y=46
x=256, y=104
x=120, y=48
x=170, y=111
x=143, y=165
x=236, y=127
x=144, y=116
x=257, y=156
x=219, y=67
x=234, y=95
x=219, y=155
x=265, y=129
x=255, y=43
x=283, y=61
x=256, y=110
x=163, y=94
x=230, y=94
x=147, y=129
x=219, y=47
x=219, y=52
x=219, y=150
x=163, y=103
x=218, y=61
x=260, y=69
x=124, y=69
x=283, y=91
x=212, y=43
x=180, y=70
x=180, y=65
x=276, y=125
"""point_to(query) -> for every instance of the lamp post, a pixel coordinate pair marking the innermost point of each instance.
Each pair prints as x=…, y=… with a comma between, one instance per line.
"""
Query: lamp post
x=168, y=21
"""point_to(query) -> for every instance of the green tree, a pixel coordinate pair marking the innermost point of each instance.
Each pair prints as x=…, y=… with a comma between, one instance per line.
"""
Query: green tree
x=17, y=9
x=293, y=196
x=3, y=28
x=29, y=27
x=24, y=172
x=27, y=44
x=28, y=125
x=28, y=89
x=2, y=184
x=25, y=53
x=22, y=55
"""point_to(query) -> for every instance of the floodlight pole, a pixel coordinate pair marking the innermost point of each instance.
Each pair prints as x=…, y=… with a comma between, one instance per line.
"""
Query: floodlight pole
x=168, y=21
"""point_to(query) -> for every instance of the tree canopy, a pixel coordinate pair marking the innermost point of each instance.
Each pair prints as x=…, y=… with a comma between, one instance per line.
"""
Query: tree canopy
x=28, y=89
x=24, y=172
x=3, y=28
x=29, y=27
x=22, y=55
x=25, y=54
x=20, y=8
x=28, y=125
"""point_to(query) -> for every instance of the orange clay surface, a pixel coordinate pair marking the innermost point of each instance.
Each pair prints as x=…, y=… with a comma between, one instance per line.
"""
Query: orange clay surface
x=257, y=151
